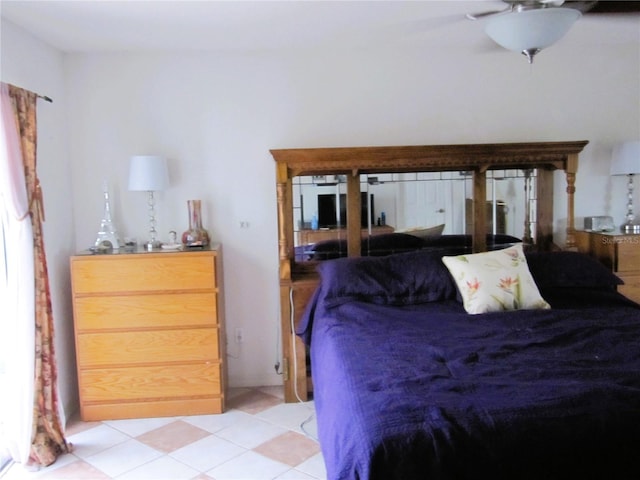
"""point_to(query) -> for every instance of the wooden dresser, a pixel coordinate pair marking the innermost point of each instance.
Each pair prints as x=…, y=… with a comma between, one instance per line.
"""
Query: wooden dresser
x=149, y=333
x=619, y=252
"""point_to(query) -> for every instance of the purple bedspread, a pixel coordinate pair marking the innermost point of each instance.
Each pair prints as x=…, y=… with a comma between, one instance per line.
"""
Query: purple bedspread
x=429, y=392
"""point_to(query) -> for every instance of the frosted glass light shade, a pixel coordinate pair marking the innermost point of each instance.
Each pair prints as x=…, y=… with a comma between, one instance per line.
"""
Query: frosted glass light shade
x=626, y=158
x=531, y=29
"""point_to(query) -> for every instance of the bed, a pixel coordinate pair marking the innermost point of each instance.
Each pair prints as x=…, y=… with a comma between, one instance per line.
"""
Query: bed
x=409, y=385
x=298, y=278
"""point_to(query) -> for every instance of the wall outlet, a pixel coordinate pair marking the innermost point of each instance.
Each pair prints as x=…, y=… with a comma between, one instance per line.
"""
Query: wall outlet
x=239, y=335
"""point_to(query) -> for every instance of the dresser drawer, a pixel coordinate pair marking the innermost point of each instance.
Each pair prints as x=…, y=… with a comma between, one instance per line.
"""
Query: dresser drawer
x=152, y=408
x=631, y=287
x=143, y=273
x=146, y=383
x=145, y=311
x=628, y=259
x=147, y=347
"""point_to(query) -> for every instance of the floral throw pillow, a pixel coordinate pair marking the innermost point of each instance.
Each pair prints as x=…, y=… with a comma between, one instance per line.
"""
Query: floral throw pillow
x=495, y=281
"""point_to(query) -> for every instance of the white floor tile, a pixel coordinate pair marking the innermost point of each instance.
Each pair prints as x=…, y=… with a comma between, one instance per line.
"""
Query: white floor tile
x=250, y=432
x=123, y=457
x=214, y=423
x=137, y=426
x=249, y=465
x=163, y=468
x=112, y=448
x=314, y=466
x=95, y=440
x=294, y=474
x=291, y=416
x=17, y=471
x=207, y=453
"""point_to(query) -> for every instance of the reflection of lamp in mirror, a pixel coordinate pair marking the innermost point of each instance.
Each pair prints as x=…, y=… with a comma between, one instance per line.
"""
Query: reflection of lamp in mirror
x=149, y=173
x=626, y=161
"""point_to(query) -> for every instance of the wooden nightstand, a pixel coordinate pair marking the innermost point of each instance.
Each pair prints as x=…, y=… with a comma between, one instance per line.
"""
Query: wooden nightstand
x=149, y=333
x=619, y=252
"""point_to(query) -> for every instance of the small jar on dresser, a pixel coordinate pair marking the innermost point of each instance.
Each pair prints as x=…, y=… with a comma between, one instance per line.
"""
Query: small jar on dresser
x=618, y=251
x=149, y=332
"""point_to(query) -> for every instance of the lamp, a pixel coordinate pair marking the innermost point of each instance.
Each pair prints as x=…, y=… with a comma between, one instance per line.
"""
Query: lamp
x=626, y=161
x=149, y=173
x=529, y=31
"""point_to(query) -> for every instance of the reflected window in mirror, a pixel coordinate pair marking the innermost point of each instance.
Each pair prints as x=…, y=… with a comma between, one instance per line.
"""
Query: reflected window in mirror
x=420, y=204
x=510, y=204
x=319, y=216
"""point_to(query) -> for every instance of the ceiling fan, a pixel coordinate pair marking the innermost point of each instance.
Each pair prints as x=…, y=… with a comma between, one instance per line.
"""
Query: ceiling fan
x=528, y=26
x=583, y=6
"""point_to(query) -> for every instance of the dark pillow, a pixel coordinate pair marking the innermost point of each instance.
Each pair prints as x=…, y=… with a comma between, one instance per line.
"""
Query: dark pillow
x=462, y=240
x=389, y=243
x=328, y=249
x=569, y=269
x=401, y=279
x=450, y=240
x=502, y=239
x=376, y=245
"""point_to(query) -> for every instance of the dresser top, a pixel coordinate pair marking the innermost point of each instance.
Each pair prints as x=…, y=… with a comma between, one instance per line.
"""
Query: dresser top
x=141, y=250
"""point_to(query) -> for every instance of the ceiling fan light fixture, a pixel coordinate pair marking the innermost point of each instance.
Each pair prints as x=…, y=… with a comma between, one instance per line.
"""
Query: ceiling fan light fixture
x=529, y=31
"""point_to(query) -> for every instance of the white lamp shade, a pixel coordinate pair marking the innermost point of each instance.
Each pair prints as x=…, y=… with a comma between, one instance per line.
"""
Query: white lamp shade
x=148, y=173
x=531, y=29
x=626, y=158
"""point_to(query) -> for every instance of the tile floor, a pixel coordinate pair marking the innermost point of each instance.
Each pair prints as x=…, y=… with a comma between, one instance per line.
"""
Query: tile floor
x=259, y=437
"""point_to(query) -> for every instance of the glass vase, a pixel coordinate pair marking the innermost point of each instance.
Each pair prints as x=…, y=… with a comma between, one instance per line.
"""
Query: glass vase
x=195, y=236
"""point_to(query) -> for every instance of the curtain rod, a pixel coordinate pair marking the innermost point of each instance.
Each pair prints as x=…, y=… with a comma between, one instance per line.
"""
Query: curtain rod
x=44, y=97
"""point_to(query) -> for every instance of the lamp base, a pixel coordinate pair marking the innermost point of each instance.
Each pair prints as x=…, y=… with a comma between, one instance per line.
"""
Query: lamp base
x=630, y=228
x=154, y=245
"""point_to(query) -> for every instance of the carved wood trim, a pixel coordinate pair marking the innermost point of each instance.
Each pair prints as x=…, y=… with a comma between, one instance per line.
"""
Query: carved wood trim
x=353, y=212
x=479, y=240
x=318, y=161
x=544, y=209
x=571, y=190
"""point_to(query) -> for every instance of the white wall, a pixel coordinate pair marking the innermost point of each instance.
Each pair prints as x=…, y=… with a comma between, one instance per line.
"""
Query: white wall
x=216, y=115
x=31, y=64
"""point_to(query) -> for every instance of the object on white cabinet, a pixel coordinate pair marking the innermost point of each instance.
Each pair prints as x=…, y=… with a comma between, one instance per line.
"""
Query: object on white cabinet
x=107, y=238
x=149, y=173
x=599, y=223
x=196, y=236
x=173, y=242
x=626, y=161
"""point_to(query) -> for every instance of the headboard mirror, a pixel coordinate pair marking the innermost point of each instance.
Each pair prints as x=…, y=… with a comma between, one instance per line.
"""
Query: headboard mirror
x=419, y=203
x=416, y=187
x=329, y=194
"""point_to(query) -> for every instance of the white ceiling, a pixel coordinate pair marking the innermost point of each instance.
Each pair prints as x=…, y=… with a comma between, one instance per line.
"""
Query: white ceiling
x=145, y=25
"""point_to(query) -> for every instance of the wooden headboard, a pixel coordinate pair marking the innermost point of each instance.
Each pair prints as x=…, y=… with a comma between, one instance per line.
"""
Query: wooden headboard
x=298, y=279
